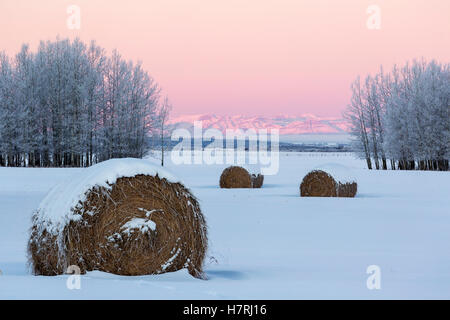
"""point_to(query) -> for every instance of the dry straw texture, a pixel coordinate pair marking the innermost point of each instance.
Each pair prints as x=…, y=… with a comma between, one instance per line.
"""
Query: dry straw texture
x=235, y=177
x=257, y=180
x=141, y=225
x=319, y=183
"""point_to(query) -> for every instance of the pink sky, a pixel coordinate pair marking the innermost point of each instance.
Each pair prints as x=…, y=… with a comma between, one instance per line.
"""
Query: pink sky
x=244, y=56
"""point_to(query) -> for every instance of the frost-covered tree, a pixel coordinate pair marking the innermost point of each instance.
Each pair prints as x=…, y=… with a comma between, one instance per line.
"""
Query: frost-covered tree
x=69, y=104
x=9, y=131
x=403, y=116
x=417, y=116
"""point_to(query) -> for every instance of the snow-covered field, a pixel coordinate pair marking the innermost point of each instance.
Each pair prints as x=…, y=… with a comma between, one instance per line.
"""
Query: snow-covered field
x=267, y=243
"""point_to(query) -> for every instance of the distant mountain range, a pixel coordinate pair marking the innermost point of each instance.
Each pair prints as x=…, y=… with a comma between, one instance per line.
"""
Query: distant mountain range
x=287, y=124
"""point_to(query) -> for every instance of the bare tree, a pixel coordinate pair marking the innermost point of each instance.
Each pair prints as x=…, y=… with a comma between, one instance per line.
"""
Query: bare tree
x=164, y=112
x=355, y=115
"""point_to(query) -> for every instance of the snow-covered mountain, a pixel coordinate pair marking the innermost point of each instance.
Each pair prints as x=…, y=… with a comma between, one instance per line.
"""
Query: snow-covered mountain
x=287, y=124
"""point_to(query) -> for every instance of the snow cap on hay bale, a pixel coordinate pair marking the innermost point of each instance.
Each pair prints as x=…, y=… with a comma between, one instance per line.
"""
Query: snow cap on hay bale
x=123, y=216
x=257, y=180
x=331, y=180
x=235, y=177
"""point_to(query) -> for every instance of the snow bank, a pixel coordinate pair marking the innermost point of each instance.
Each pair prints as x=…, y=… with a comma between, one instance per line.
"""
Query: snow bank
x=339, y=172
x=56, y=210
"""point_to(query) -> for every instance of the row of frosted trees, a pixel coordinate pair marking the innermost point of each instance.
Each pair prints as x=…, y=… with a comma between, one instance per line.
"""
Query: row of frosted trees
x=69, y=104
x=400, y=120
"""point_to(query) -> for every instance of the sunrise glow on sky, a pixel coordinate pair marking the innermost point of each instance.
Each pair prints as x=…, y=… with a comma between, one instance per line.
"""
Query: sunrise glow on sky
x=244, y=56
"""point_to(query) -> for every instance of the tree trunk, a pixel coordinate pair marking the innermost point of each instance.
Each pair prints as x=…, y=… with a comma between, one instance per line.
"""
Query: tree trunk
x=393, y=164
x=369, y=163
x=162, y=149
x=384, y=163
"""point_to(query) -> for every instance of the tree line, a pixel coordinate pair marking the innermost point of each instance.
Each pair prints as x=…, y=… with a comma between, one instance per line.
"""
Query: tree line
x=69, y=104
x=400, y=119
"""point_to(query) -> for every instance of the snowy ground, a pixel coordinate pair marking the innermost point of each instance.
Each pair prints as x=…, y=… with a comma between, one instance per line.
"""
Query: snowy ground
x=268, y=243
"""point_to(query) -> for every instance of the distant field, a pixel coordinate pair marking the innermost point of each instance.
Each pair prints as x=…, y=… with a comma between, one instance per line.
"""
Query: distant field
x=316, y=138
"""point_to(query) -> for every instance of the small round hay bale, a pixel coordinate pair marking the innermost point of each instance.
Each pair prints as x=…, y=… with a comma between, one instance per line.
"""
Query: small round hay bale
x=328, y=181
x=257, y=180
x=235, y=177
x=131, y=219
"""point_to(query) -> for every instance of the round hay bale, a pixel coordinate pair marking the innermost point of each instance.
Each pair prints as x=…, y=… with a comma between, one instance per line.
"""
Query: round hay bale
x=235, y=177
x=124, y=223
x=329, y=181
x=257, y=180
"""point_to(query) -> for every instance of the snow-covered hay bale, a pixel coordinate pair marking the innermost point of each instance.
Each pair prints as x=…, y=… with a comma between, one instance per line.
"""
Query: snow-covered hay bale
x=329, y=181
x=257, y=180
x=235, y=177
x=127, y=217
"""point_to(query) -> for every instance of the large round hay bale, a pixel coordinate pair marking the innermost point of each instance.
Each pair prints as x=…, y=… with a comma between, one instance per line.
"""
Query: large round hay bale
x=328, y=181
x=125, y=217
x=235, y=177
